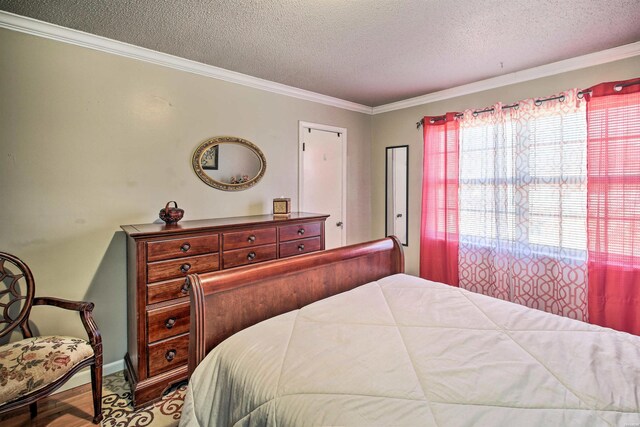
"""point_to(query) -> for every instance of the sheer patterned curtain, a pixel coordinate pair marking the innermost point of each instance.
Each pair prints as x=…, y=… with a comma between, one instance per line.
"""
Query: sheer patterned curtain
x=522, y=204
x=439, y=222
x=613, y=145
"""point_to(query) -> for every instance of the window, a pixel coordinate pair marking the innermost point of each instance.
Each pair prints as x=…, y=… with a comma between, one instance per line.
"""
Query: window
x=523, y=180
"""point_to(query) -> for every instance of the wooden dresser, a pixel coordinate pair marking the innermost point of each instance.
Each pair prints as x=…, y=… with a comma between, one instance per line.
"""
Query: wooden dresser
x=158, y=259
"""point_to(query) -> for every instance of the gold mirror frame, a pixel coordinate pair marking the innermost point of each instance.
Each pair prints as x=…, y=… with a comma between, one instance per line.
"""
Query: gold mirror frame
x=196, y=163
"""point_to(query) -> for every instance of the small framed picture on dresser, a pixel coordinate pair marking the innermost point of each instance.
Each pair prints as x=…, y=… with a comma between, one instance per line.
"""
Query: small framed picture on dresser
x=282, y=206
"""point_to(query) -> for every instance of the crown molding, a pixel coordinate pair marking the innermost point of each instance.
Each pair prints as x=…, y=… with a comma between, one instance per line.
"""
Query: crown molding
x=584, y=61
x=39, y=28
x=79, y=38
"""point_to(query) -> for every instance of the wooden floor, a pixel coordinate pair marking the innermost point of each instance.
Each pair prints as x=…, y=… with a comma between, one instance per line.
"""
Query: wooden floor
x=71, y=408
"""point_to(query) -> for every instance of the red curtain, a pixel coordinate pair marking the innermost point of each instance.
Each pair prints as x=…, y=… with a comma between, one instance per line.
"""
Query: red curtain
x=613, y=205
x=439, y=225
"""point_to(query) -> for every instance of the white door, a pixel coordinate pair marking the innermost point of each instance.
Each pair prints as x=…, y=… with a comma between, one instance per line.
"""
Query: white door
x=323, y=177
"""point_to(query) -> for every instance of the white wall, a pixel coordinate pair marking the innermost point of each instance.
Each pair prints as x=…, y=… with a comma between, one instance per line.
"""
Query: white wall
x=90, y=141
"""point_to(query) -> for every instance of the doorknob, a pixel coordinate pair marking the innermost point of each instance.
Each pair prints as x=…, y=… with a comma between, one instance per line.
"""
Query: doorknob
x=399, y=216
x=339, y=224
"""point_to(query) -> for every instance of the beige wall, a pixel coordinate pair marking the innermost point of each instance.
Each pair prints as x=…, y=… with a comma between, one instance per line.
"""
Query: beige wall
x=399, y=127
x=90, y=141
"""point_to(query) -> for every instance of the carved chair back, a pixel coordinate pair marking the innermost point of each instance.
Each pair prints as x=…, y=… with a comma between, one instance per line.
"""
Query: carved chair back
x=17, y=289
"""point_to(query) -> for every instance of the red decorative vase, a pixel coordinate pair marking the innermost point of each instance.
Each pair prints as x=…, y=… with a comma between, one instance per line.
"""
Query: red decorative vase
x=171, y=215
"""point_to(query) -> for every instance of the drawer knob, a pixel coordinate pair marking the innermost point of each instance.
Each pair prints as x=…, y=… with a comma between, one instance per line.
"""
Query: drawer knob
x=301, y=231
x=170, y=322
x=185, y=288
x=251, y=256
x=251, y=239
x=185, y=247
x=170, y=355
x=301, y=247
x=185, y=267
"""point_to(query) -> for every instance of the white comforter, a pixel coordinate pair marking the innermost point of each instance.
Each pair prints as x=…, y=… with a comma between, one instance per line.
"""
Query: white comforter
x=404, y=351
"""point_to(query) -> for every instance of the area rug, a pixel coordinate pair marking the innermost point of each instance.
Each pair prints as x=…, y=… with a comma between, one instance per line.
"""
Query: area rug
x=118, y=411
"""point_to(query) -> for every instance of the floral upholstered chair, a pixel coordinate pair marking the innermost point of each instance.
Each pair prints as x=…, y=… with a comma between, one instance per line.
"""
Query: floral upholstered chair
x=34, y=367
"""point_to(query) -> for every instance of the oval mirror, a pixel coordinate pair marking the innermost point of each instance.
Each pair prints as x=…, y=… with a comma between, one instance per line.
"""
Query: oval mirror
x=229, y=163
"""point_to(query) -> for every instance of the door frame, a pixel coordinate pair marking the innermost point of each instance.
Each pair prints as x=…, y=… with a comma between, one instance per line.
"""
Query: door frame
x=302, y=126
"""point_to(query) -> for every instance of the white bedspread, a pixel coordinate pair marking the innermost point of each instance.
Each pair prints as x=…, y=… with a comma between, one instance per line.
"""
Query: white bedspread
x=404, y=351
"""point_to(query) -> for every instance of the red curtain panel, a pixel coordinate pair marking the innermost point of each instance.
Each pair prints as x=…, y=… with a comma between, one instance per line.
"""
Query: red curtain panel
x=613, y=204
x=439, y=225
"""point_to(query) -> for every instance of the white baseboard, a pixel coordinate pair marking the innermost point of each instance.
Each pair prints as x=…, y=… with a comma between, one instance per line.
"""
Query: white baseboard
x=84, y=376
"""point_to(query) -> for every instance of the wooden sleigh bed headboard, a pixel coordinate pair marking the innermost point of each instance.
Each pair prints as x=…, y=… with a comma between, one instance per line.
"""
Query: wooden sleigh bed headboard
x=225, y=302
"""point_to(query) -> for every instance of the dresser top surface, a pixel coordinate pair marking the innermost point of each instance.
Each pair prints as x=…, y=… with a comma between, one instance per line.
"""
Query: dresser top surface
x=140, y=230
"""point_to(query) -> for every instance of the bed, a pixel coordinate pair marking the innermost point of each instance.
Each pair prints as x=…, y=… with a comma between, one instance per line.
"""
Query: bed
x=343, y=337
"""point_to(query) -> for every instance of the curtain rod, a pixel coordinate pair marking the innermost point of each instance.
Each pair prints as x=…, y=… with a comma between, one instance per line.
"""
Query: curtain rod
x=537, y=102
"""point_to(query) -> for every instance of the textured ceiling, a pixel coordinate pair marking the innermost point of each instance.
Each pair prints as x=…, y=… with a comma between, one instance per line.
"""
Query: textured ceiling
x=371, y=52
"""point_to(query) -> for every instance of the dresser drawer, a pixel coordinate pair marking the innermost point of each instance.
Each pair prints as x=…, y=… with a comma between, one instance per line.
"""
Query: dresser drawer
x=166, y=291
x=168, y=354
x=165, y=270
x=248, y=256
x=248, y=238
x=167, y=322
x=179, y=248
x=299, y=231
x=299, y=247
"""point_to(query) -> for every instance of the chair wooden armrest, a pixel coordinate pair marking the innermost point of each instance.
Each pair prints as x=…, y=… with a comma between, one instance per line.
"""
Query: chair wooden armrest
x=95, y=339
x=63, y=303
x=86, y=316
